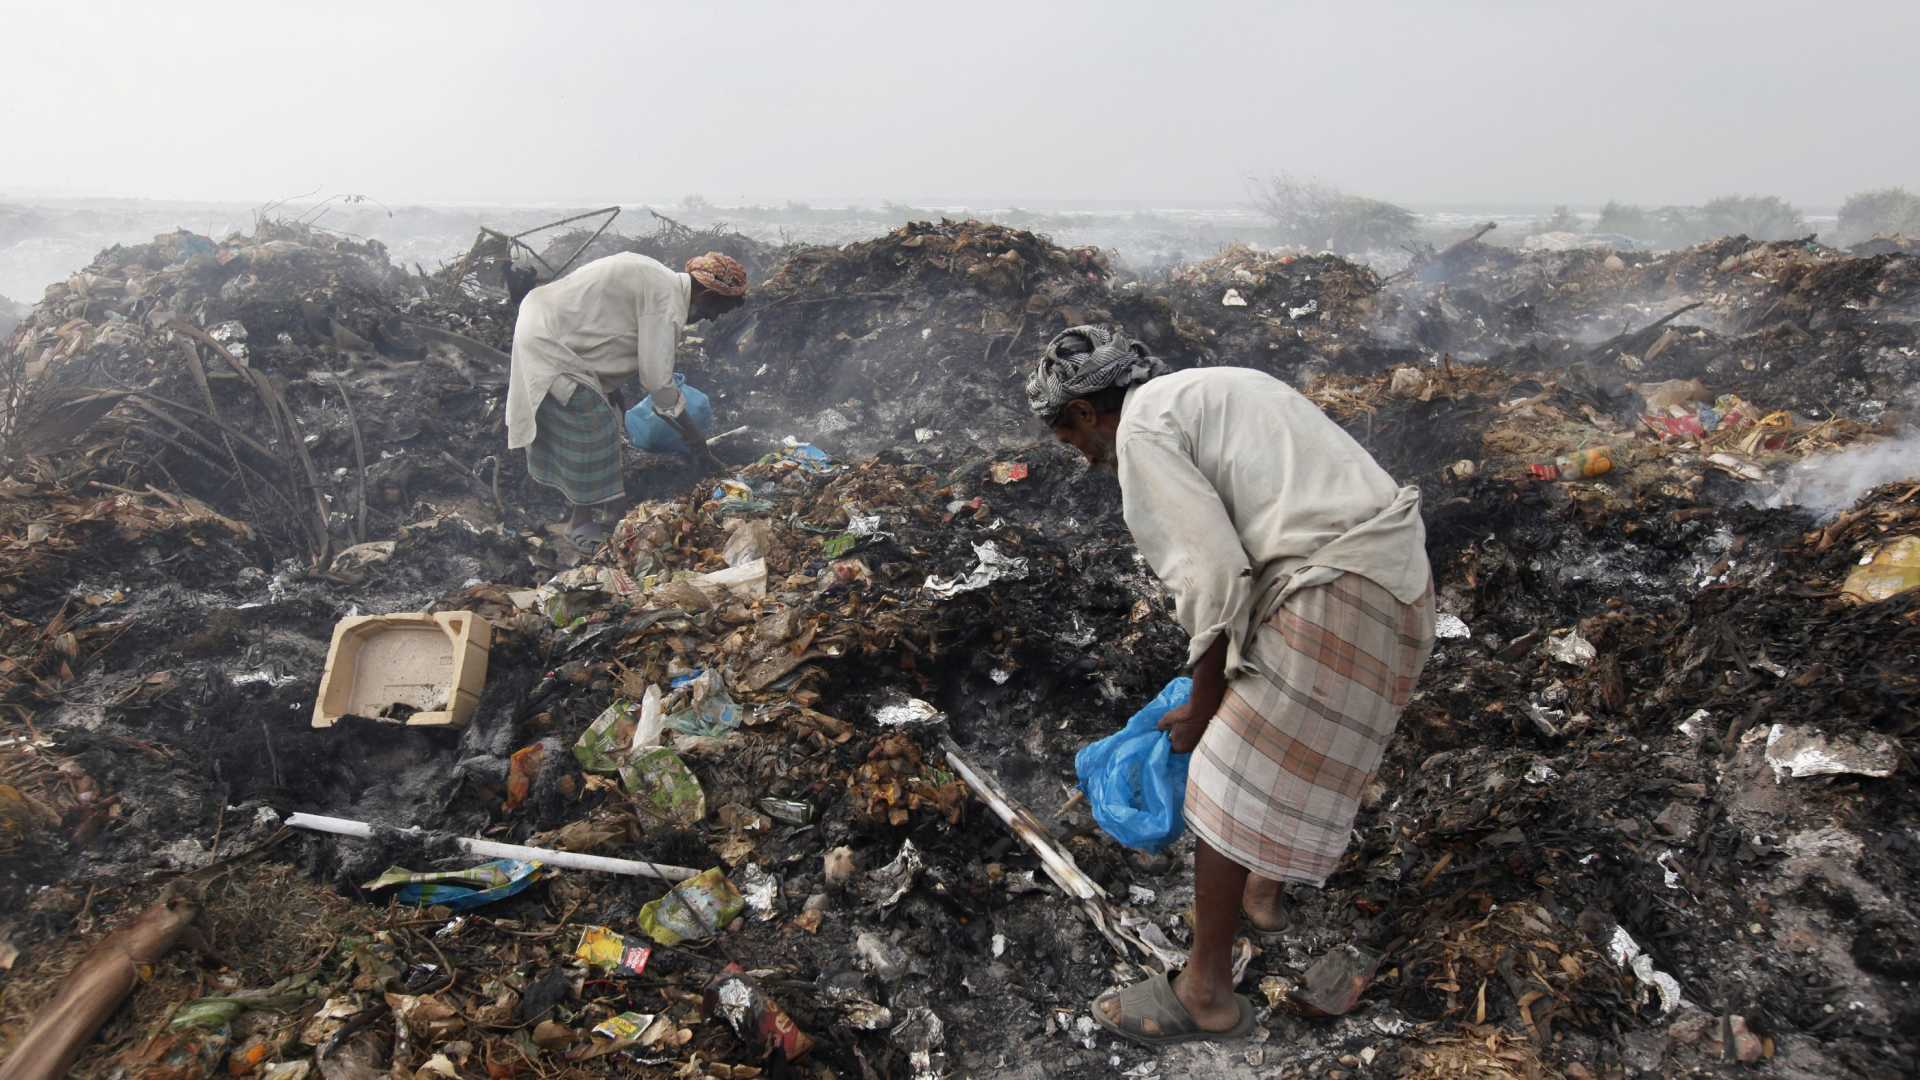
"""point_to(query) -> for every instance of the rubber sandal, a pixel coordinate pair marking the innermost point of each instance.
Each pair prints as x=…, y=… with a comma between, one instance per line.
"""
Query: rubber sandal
x=1153, y=999
x=589, y=536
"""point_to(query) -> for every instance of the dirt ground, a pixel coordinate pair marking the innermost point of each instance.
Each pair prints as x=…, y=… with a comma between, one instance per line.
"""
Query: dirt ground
x=1582, y=856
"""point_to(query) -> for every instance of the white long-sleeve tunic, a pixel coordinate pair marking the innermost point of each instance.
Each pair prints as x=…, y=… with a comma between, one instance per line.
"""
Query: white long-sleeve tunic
x=1238, y=491
x=614, y=317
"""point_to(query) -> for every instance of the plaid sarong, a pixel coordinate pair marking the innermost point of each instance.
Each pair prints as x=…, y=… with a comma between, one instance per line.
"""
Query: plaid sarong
x=576, y=447
x=1276, y=780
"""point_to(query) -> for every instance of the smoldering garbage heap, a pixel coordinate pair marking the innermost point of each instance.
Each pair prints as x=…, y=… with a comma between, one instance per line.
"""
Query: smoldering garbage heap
x=917, y=337
x=293, y=378
x=1579, y=820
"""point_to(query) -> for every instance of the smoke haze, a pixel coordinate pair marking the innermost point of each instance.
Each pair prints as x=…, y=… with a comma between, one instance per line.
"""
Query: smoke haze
x=1068, y=103
x=1830, y=483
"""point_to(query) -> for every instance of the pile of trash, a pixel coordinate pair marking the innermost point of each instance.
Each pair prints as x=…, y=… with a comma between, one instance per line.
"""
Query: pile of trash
x=753, y=686
x=1288, y=313
x=670, y=241
x=294, y=379
x=919, y=336
x=780, y=780
x=1791, y=322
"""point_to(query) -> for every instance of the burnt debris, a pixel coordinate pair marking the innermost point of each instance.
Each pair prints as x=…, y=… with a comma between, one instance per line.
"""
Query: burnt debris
x=1651, y=810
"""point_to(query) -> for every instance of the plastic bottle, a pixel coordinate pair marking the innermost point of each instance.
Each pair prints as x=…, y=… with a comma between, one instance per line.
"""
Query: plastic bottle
x=1585, y=464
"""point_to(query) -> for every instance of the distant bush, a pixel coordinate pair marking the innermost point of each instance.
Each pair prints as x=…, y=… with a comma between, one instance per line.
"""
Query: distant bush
x=1563, y=220
x=1886, y=212
x=1666, y=226
x=1312, y=214
x=11, y=315
x=1757, y=217
x=1617, y=217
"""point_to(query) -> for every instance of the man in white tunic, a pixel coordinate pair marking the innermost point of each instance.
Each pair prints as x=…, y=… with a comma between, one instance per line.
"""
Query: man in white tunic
x=576, y=340
x=1298, y=569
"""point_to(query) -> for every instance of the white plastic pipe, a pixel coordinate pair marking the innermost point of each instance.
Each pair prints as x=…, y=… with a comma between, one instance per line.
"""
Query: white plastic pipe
x=568, y=860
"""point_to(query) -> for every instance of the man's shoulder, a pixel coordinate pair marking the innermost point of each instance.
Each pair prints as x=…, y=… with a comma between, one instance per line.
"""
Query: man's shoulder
x=631, y=278
x=625, y=264
x=1206, y=382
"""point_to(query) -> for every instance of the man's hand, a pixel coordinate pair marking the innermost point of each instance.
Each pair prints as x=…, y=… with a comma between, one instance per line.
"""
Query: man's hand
x=696, y=442
x=1186, y=723
x=1185, y=727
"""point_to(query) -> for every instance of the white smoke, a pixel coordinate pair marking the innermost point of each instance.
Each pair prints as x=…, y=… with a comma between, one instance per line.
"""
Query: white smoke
x=1829, y=483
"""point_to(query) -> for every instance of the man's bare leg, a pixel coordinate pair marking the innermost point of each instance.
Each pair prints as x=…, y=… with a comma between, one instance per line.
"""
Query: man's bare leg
x=1264, y=903
x=1205, y=987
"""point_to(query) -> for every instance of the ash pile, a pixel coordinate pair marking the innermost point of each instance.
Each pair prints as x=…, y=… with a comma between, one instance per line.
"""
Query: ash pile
x=1650, y=812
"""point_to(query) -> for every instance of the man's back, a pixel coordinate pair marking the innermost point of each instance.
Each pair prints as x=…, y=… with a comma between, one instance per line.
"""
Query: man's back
x=596, y=311
x=1291, y=479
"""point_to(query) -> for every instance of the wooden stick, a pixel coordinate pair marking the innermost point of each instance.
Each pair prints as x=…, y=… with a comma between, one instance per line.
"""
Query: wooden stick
x=282, y=419
x=1128, y=932
x=1620, y=341
x=462, y=342
x=359, y=459
x=96, y=988
x=199, y=372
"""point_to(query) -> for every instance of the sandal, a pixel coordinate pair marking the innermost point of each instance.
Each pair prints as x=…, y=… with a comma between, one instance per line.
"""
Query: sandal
x=1153, y=1001
x=589, y=536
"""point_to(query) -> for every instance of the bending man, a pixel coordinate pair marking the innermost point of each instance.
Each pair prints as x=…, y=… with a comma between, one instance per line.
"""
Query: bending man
x=576, y=340
x=1299, y=571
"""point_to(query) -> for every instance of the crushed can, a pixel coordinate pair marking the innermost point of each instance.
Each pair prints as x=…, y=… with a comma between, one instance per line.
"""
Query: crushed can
x=754, y=1016
x=791, y=811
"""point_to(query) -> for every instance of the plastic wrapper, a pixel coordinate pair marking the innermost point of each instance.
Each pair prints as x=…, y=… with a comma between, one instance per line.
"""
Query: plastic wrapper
x=993, y=566
x=1334, y=983
x=1892, y=570
x=711, y=711
x=631, y=1028
x=461, y=890
x=662, y=783
x=605, y=743
x=603, y=948
x=210, y=1013
x=694, y=910
x=807, y=456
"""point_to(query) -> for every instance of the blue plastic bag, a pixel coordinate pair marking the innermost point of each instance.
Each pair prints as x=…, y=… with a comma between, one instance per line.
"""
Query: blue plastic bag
x=647, y=431
x=1134, y=781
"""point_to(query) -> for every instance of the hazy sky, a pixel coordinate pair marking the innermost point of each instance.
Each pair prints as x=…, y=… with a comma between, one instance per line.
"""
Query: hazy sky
x=1171, y=101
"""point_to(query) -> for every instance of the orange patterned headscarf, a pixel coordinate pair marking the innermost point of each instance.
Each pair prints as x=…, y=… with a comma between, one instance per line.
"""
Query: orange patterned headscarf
x=719, y=273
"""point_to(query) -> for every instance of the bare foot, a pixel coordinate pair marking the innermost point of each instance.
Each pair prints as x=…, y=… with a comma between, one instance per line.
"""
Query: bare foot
x=1265, y=905
x=1212, y=1008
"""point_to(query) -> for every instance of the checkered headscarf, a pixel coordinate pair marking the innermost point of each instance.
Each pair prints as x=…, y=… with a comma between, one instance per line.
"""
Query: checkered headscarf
x=1085, y=360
